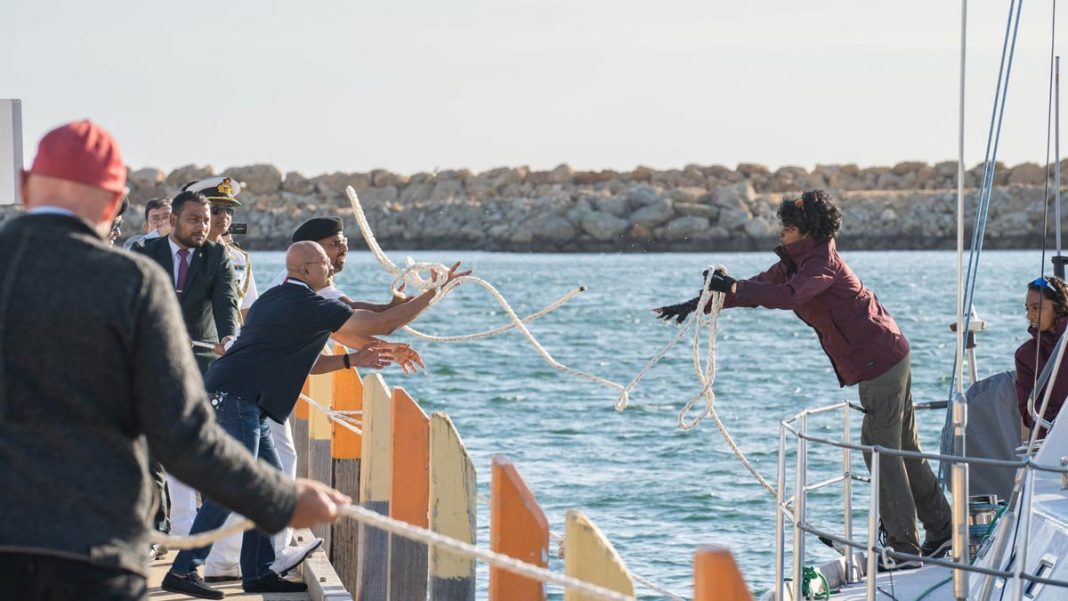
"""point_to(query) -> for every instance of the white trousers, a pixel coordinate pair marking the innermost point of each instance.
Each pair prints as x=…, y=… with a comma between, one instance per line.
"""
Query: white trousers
x=225, y=554
x=183, y=506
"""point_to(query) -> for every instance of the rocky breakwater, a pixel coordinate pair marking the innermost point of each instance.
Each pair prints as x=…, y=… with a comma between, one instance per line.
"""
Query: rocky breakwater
x=698, y=208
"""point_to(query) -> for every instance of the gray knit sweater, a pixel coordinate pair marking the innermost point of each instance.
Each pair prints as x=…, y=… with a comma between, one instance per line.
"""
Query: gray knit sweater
x=95, y=369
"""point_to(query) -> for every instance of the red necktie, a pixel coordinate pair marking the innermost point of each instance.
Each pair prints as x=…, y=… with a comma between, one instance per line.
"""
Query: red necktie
x=183, y=268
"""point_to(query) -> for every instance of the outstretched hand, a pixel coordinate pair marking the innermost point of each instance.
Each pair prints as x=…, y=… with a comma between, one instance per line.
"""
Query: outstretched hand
x=677, y=312
x=317, y=503
x=373, y=355
x=453, y=274
x=407, y=358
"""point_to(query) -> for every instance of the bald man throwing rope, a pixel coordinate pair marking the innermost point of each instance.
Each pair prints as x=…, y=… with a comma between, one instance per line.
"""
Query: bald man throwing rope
x=260, y=378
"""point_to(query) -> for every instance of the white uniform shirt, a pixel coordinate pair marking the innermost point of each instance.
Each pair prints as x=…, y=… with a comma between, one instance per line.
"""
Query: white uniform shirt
x=243, y=273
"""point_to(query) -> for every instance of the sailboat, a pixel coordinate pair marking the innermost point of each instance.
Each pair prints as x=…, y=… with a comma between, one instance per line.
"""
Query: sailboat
x=1009, y=501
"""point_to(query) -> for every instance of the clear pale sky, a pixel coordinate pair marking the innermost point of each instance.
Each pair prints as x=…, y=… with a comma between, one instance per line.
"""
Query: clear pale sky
x=411, y=86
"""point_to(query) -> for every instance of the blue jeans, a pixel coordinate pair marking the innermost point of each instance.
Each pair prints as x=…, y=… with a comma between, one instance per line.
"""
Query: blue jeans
x=248, y=424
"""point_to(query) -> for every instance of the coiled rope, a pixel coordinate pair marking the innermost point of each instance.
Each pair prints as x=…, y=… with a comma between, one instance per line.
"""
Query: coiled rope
x=437, y=278
x=415, y=533
x=704, y=368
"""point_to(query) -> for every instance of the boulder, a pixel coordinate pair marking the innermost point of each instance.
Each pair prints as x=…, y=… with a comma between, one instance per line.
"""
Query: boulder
x=149, y=176
x=653, y=214
x=698, y=210
x=888, y=215
x=603, y=226
x=734, y=195
x=188, y=173
x=685, y=227
x=758, y=227
x=448, y=190
x=297, y=184
x=687, y=193
x=1028, y=174
x=549, y=227
x=257, y=179
x=614, y=205
x=561, y=174
x=639, y=232
x=642, y=174
x=639, y=196
x=731, y=217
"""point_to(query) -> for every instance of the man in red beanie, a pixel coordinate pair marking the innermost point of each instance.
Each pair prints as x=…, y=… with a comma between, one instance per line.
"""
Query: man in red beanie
x=76, y=426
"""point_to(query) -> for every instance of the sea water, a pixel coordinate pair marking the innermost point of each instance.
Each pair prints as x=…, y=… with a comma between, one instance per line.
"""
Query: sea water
x=658, y=492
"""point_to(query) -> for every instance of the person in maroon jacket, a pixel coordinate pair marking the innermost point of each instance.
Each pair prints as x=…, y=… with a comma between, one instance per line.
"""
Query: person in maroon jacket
x=1047, y=314
x=866, y=348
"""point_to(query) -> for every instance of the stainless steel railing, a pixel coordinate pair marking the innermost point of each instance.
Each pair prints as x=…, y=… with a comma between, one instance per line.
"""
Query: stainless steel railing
x=796, y=506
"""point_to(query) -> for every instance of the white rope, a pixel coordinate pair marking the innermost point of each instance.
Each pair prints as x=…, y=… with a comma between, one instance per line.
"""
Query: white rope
x=410, y=532
x=705, y=370
x=437, y=278
x=196, y=541
x=341, y=418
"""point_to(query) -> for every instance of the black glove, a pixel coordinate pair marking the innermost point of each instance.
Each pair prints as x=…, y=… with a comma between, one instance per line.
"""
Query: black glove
x=720, y=282
x=677, y=312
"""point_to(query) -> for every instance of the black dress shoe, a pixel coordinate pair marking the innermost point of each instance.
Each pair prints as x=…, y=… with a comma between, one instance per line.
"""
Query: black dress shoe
x=189, y=584
x=272, y=583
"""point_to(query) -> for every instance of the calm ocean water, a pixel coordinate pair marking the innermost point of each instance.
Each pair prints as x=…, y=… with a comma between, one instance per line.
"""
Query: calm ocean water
x=658, y=492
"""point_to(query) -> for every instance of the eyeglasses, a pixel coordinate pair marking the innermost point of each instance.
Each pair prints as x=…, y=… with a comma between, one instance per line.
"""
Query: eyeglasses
x=215, y=210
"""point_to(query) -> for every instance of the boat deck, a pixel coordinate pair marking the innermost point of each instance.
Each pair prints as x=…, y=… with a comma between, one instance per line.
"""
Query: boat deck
x=904, y=584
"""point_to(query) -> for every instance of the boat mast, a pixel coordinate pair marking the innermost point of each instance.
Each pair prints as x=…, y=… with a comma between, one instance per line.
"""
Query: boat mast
x=959, y=471
x=1058, y=260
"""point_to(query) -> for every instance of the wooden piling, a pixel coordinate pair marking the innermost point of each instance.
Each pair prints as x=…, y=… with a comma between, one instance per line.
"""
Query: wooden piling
x=375, y=487
x=518, y=528
x=299, y=423
x=590, y=557
x=320, y=430
x=452, y=511
x=716, y=577
x=409, y=500
x=348, y=396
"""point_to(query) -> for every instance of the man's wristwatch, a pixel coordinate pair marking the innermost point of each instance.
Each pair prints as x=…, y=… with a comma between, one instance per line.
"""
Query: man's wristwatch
x=348, y=362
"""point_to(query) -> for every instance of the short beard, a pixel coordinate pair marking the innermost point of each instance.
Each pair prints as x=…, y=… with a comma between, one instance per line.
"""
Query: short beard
x=188, y=242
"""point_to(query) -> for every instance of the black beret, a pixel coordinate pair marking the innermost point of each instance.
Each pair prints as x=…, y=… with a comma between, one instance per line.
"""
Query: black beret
x=317, y=228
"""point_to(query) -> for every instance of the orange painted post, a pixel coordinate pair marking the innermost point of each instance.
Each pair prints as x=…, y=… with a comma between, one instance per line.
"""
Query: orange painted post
x=348, y=396
x=518, y=528
x=299, y=422
x=409, y=501
x=716, y=577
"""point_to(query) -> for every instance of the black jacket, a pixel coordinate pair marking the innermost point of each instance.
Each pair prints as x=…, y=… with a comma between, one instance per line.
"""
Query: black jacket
x=209, y=301
x=95, y=370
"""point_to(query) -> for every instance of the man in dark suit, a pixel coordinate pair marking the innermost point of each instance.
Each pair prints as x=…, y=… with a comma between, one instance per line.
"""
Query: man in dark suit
x=203, y=279
x=202, y=274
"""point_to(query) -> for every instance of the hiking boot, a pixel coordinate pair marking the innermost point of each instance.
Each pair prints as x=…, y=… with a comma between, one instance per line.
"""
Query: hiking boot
x=937, y=547
x=189, y=584
x=272, y=583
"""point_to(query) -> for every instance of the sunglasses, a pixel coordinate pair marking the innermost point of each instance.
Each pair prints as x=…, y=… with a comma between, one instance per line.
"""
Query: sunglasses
x=221, y=210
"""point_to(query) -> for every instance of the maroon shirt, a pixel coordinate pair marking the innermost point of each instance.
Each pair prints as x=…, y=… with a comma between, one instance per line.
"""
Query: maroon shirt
x=811, y=279
x=1025, y=372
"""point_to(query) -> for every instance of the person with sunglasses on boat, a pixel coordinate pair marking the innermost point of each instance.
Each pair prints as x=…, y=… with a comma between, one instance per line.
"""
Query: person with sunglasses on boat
x=1046, y=304
x=866, y=348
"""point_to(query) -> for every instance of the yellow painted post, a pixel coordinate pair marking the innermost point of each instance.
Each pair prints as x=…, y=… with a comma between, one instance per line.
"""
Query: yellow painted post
x=376, y=472
x=299, y=423
x=452, y=511
x=409, y=499
x=716, y=577
x=320, y=431
x=518, y=528
x=348, y=396
x=592, y=558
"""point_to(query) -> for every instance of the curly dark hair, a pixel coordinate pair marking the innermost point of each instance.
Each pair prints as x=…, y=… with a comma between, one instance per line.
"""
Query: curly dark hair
x=1053, y=288
x=815, y=213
